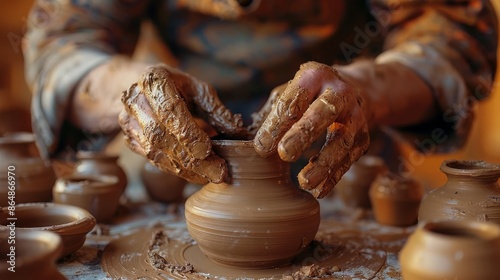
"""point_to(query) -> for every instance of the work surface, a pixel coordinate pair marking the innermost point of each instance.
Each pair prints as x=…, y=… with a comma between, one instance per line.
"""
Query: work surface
x=364, y=248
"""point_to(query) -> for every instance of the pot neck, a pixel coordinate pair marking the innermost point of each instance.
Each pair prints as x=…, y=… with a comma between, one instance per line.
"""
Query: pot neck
x=18, y=146
x=471, y=171
x=244, y=162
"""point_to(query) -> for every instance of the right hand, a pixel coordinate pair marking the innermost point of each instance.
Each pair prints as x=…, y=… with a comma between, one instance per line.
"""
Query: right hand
x=158, y=123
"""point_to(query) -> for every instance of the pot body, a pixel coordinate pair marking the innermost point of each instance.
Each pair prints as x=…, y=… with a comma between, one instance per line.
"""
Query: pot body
x=98, y=194
x=395, y=199
x=31, y=179
x=452, y=250
x=162, y=186
x=470, y=193
x=258, y=220
x=98, y=163
x=354, y=186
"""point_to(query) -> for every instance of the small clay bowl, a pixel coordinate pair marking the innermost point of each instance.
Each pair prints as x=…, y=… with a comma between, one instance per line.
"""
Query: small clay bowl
x=162, y=186
x=98, y=194
x=34, y=256
x=395, y=199
x=452, y=250
x=70, y=222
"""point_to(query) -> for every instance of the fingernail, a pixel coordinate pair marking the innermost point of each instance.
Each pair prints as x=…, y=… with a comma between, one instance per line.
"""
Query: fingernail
x=263, y=142
x=200, y=150
x=216, y=173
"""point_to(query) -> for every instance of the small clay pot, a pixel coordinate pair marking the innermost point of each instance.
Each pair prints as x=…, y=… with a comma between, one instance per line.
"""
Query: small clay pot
x=162, y=186
x=471, y=192
x=98, y=194
x=260, y=219
x=34, y=255
x=32, y=177
x=452, y=250
x=70, y=222
x=353, y=188
x=100, y=163
x=395, y=199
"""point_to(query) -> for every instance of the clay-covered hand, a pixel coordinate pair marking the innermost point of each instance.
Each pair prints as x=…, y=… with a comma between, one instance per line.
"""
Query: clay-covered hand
x=298, y=113
x=158, y=123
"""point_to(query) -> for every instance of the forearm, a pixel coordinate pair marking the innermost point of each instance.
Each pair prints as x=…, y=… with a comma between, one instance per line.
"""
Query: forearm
x=395, y=94
x=96, y=101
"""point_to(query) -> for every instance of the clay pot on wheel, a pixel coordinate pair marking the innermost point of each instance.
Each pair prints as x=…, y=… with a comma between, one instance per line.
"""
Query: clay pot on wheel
x=353, y=188
x=23, y=169
x=100, y=163
x=34, y=256
x=396, y=199
x=452, y=250
x=98, y=194
x=258, y=220
x=470, y=193
x=162, y=186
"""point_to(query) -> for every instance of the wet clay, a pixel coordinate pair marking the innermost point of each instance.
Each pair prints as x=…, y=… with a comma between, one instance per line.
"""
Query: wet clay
x=471, y=192
x=260, y=219
x=149, y=253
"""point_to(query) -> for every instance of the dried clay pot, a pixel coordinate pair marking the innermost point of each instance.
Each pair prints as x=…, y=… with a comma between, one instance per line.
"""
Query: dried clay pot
x=100, y=163
x=258, y=220
x=35, y=257
x=396, y=199
x=353, y=188
x=452, y=250
x=470, y=193
x=70, y=222
x=162, y=186
x=33, y=178
x=98, y=194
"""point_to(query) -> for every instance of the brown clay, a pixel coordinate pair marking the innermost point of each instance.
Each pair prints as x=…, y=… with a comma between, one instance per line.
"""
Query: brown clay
x=353, y=188
x=395, y=200
x=70, y=222
x=471, y=193
x=258, y=220
x=35, y=256
x=452, y=250
x=100, y=163
x=162, y=186
x=33, y=178
x=98, y=194
x=148, y=253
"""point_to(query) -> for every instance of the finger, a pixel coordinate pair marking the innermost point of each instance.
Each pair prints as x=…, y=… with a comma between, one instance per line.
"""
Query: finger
x=322, y=112
x=259, y=117
x=307, y=84
x=171, y=110
x=344, y=145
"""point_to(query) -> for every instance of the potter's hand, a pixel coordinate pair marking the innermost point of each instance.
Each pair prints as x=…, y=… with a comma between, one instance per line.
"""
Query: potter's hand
x=158, y=123
x=298, y=113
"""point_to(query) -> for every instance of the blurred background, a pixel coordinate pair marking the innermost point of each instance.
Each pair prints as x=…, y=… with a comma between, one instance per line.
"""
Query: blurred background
x=483, y=143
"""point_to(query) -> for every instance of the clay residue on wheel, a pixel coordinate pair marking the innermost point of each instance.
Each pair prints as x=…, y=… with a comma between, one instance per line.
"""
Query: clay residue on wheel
x=157, y=252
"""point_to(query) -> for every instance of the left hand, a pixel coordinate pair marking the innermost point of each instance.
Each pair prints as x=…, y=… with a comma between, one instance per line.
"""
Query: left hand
x=298, y=113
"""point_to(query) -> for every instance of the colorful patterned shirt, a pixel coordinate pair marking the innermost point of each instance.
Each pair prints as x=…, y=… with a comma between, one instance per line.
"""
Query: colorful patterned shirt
x=246, y=51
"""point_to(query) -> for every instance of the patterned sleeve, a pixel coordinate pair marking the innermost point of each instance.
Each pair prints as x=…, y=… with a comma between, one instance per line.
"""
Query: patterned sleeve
x=64, y=41
x=452, y=45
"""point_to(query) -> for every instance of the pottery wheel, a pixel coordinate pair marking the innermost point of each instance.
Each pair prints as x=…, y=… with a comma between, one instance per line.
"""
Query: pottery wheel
x=143, y=255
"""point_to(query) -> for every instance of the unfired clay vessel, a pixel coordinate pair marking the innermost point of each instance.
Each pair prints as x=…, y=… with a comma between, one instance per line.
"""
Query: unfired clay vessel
x=98, y=194
x=70, y=222
x=452, y=250
x=35, y=257
x=395, y=199
x=162, y=186
x=353, y=188
x=100, y=163
x=33, y=178
x=471, y=193
x=258, y=220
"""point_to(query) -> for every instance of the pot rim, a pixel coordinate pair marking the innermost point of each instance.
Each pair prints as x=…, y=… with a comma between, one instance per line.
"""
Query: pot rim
x=51, y=252
x=470, y=167
x=95, y=155
x=232, y=142
x=473, y=231
x=82, y=220
x=17, y=138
